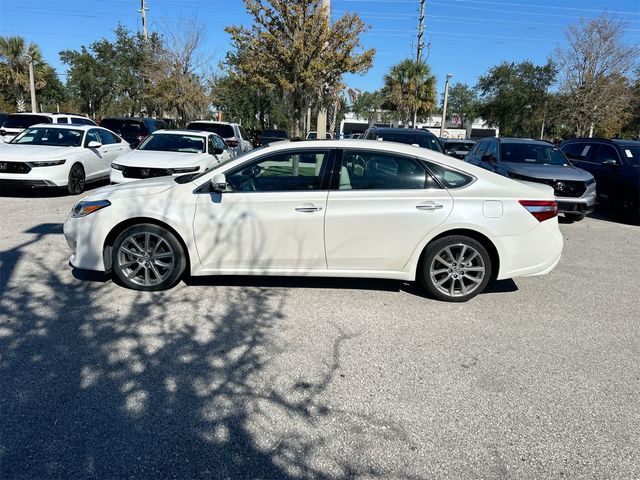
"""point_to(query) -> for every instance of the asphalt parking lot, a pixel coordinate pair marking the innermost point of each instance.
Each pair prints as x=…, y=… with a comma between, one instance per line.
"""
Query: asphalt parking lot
x=302, y=378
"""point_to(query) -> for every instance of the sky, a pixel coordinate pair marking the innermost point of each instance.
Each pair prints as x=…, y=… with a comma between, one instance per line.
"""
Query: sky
x=462, y=37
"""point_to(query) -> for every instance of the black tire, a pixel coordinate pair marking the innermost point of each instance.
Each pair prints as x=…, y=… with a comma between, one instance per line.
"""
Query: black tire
x=77, y=179
x=156, y=263
x=574, y=217
x=460, y=274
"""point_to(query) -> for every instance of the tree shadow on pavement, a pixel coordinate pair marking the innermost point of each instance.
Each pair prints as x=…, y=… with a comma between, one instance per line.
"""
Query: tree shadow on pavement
x=102, y=382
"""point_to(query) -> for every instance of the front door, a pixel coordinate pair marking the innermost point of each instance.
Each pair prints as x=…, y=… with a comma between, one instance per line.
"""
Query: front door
x=383, y=206
x=270, y=218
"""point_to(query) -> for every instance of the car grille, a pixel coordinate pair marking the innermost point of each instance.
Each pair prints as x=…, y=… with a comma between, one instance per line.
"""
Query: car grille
x=566, y=188
x=139, y=172
x=14, y=167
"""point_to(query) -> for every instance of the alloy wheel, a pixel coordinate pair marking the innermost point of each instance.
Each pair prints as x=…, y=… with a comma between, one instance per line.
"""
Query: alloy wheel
x=146, y=259
x=457, y=270
x=76, y=179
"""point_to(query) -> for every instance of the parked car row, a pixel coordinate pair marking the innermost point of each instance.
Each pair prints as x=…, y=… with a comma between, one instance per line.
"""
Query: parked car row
x=68, y=152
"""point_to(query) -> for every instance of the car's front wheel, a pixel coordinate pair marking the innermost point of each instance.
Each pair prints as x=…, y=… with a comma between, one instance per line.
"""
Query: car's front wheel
x=148, y=257
x=455, y=268
x=77, y=179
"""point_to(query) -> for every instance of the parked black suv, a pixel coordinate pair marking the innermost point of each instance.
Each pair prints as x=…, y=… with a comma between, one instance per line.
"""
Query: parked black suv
x=615, y=164
x=420, y=138
x=133, y=129
x=541, y=162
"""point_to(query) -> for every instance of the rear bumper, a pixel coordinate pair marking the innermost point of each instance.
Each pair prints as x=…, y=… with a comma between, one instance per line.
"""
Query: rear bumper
x=533, y=253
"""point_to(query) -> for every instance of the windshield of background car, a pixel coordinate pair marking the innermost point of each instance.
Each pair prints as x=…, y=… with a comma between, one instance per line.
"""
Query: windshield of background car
x=24, y=121
x=167, y=142
x=274, y=133
x=631, y=154
x=125, y=127
x=459, y=146
x=532, y=154
x=225, y=131
x=424, y=141
x=190, y=177
x=50, y=137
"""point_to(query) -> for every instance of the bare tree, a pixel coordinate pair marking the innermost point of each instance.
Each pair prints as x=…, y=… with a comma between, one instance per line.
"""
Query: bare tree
x=593, y=70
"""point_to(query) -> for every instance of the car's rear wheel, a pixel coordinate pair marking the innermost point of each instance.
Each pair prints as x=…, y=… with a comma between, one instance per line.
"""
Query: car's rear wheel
x=148, y=257
x=455, y=268
x=77, y=179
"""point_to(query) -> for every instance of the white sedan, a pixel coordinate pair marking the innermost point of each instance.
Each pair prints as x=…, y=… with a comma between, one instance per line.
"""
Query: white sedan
x=363, y=209
x=171, y=152
x=59, y=156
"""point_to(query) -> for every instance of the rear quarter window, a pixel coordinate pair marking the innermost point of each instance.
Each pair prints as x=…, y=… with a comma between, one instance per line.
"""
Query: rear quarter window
x=449, y=178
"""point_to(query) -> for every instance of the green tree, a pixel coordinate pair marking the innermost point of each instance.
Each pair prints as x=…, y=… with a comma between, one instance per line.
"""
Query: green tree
x=632, y=128
x=292, y=47
x=513, y=96
x=14, y=69
x=463, y=101
x=594, y=67
x=368, y=105
x=410, y=89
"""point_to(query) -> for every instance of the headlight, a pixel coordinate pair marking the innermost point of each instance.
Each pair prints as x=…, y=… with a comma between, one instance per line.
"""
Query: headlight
x=46, y=163
x=84, y=208
x=185, y=170
x=115, y=166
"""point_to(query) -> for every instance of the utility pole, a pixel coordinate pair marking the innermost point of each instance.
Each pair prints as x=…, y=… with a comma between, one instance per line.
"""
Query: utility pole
x=143, y=13
x=32, y=83
x=420, y=47
x=321, y=123
x=444, y=106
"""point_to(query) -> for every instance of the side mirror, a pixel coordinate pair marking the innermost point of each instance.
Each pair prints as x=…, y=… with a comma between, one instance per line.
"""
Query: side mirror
x=219, y=183
x=94, y=144
x=488, y=158
x=218, y=151
x=610, y=162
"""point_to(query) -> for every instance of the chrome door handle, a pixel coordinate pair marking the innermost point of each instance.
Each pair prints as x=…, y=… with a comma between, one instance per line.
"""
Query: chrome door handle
x=429, y=206
x=308, y=208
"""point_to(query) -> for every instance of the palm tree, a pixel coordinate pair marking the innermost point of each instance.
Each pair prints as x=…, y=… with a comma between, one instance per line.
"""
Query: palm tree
x=410, y=88
x=14, y=67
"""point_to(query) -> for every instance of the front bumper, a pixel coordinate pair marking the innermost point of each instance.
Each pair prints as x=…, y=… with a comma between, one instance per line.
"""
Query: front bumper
x=55, y=176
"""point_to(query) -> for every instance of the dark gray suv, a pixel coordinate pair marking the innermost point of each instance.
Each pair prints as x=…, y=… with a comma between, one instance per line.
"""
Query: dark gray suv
x=541, y=162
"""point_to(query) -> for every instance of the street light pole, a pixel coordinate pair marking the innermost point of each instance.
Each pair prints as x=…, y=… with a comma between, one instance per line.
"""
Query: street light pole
x=32, y=83
x=444, y=106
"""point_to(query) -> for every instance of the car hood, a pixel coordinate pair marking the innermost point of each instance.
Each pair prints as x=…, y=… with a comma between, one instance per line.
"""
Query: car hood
x=152, y=159
x=548, y=172
x=138, y=188
x=13, y=152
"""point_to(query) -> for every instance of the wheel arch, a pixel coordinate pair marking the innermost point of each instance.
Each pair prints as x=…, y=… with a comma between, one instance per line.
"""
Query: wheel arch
x=110, y=239
x=476, y=235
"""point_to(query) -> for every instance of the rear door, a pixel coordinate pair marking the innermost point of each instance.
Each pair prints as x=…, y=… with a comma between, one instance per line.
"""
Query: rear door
x=112, y=148
x=380, y=208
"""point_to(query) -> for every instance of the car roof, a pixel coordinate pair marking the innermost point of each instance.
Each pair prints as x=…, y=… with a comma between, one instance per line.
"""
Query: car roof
x=66, y=126
x=530, y=141
x=139, y=119
x=616, y=141
x=401, y=130
x=185, y=131
x=212, y=122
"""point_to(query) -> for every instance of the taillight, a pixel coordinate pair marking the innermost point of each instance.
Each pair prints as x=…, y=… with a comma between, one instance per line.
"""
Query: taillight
x=232, y=142
x=541, y=209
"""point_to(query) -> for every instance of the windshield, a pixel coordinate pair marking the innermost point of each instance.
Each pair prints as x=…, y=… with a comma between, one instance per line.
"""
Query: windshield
x=50, y=137
x=532, y=154
x=420, y=139
x=190, y=177
x=631, y=154
x=274, y=133
x=225, y=131
x=24, y=121
x=458, y=146
x=124, y=127
x=167, y=142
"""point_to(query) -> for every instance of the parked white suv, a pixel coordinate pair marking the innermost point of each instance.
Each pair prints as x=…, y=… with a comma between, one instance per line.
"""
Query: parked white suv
x=17, y=122
x=232, y=133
